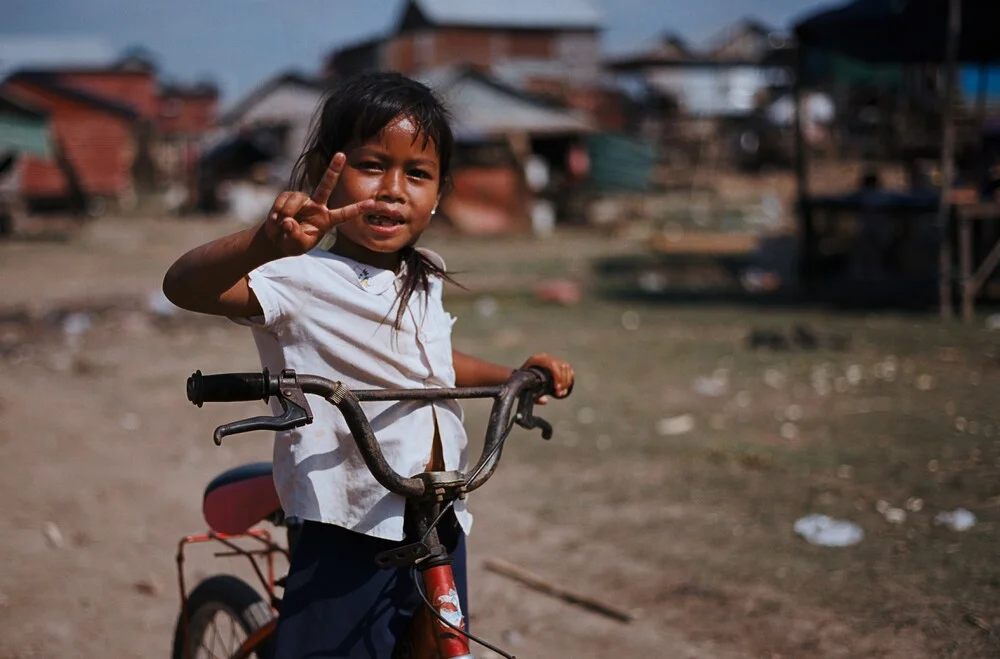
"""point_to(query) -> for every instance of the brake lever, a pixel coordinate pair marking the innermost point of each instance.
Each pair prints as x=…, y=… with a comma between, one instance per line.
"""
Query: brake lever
x=526, y=418
x=294, y=407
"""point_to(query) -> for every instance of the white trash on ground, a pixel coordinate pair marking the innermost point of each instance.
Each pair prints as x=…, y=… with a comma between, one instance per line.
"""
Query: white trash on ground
x=159, y=305
x=678, y=425
x=828, y=532
x=959, y=519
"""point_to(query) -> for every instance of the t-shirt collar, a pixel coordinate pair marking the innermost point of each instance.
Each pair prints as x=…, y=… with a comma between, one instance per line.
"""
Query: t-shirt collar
x=366, y=277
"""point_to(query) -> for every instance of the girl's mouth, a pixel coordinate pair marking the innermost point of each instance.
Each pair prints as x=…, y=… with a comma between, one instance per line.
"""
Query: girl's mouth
x=384, y=224
x=384, y=220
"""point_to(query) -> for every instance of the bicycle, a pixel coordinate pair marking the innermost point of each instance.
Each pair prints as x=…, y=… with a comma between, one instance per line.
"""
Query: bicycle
x=240, y=499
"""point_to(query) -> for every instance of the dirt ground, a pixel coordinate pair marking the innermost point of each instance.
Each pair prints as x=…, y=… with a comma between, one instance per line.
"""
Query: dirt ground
x=670, y=490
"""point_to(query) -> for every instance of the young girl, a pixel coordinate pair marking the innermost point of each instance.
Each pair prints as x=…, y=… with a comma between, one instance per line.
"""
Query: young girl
x=367, y=312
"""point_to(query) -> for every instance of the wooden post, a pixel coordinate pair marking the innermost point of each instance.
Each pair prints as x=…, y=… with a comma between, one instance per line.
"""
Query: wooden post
x=953, y=30
x=807, y=233
x=969, y=288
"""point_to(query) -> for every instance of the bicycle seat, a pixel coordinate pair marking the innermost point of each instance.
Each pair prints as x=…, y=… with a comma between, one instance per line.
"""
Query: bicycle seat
x=238, y=498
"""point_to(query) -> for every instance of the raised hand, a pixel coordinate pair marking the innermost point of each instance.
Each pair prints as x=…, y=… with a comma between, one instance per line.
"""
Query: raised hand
x=297, y=221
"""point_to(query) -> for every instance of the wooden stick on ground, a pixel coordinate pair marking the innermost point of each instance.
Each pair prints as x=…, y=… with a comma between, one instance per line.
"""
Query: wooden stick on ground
x=534, y=581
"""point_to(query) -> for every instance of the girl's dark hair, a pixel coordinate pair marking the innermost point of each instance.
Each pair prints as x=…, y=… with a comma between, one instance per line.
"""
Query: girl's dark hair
x=356, y=110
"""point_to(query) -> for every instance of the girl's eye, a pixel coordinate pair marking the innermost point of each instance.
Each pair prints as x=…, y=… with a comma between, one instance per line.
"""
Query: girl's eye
x=420, y=173
x=370, y=165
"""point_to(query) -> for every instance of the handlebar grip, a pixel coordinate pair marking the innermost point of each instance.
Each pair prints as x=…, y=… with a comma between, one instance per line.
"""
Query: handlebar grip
x=227, y=387
x=548, y=382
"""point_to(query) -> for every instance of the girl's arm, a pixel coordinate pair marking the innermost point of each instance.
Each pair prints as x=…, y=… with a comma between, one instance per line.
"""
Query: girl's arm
x=473, y=372
x=212, y=278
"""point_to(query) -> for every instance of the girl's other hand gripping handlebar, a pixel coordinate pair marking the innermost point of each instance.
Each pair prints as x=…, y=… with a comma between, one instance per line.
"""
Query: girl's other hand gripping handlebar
x=562, y=372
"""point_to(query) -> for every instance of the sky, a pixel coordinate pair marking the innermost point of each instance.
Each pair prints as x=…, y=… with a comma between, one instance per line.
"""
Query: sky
x=239, y=43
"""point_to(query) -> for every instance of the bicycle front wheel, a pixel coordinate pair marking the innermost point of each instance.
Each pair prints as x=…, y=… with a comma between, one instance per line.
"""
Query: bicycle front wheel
x=222, y=612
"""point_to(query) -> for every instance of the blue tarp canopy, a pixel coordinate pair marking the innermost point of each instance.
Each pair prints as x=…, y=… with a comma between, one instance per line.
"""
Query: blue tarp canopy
x=903, y=31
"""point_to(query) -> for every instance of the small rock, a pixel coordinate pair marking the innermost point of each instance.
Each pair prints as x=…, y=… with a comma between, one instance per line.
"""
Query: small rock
x=914, y=504
x=130, y=421
x=149, y=586
x=586, y=416
x=54, y=536
x=925, y=382
x=895, y=515
x=774, y=378
x=511, y=637
x=631, y=321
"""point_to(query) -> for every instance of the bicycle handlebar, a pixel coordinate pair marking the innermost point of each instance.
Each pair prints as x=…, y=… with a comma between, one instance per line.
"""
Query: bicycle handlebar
x=522, y=387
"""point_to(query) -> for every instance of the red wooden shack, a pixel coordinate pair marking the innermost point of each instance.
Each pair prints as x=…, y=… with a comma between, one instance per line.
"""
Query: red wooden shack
x=93, y=140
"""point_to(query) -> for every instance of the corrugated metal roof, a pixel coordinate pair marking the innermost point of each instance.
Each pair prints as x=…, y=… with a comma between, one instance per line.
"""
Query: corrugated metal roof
x=482, y=106
x=288, y=78
x=47, y=52
x=520, y=13
x=50, y=83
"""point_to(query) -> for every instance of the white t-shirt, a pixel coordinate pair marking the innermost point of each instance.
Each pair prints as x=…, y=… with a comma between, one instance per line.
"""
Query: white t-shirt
x=331, y=316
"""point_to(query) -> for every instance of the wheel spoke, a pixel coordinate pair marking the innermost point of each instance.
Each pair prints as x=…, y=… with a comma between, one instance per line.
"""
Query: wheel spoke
x=215, y=636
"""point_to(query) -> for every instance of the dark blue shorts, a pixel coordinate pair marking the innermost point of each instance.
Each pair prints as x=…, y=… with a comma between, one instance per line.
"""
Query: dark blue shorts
x=337, y=603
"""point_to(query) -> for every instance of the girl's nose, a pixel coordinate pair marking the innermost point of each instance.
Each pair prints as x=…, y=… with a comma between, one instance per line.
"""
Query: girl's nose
x=391, y=190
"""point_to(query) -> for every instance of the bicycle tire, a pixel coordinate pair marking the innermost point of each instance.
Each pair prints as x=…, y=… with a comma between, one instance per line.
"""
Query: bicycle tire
x=228, y=595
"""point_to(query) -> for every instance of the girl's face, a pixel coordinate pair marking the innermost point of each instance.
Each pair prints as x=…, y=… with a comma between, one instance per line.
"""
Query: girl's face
x=395, y=167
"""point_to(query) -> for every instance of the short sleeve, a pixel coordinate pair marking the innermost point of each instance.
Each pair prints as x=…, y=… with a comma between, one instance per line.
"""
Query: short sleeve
x=278, y=292
x=440, y=321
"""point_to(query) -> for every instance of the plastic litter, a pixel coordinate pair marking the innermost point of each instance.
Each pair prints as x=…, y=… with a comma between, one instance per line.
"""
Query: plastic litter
x=825, y=531
x=678, y=425
x=77, y=323
x=959, y=519
x=713, y=386
x=486, y=307
x=159, y=305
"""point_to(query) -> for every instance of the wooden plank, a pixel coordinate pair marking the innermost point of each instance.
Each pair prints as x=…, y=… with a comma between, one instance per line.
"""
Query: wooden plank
x=706, y=244
x=987, y=267
x=536, y=582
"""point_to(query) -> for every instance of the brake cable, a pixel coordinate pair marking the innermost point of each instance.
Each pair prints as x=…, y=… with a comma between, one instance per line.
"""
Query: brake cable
x=437, y=520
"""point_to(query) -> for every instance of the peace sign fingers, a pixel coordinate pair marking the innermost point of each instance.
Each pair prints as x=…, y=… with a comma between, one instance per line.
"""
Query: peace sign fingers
x=322, y=193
